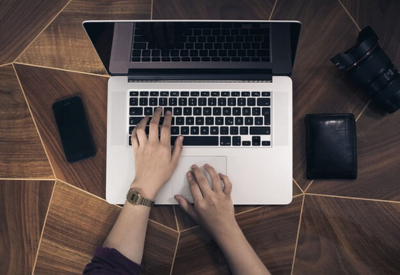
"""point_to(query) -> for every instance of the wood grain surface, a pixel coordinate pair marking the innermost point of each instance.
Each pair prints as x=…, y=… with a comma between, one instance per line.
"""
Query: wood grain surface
x=342, y=236
x=331, y=227
x=64, y=44
x=23, y=208
x=21, y=151
x=21, y=22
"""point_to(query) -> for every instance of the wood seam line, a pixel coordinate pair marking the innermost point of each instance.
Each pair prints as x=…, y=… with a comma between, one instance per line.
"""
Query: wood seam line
x=362, y=111
x=5, y=64
x=26, y=179
x=298, y=233
x=34, y=121
x=151, y=9
x=351, y=17
x=298, y=185
x=176, y=251
x=351, y=198
x=273, y=9
x=43, y=227
x=34, y=39
x=308, y=186
x=176, y=218
x=60, y=69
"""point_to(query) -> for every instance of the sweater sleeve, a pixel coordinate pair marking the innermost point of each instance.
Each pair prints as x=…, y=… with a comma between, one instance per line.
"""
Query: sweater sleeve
x=111, y=261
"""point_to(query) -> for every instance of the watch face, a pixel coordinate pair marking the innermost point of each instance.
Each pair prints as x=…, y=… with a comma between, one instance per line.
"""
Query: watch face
x=133, y=196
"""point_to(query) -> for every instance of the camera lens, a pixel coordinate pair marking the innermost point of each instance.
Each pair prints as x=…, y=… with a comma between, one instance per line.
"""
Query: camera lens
x=371, y=69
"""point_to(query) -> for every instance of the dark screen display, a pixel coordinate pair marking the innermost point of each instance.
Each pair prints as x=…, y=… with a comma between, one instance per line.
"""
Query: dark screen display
x=74, y=129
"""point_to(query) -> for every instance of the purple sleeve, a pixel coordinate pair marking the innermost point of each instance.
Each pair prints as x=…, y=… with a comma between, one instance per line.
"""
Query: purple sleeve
x=111, y=261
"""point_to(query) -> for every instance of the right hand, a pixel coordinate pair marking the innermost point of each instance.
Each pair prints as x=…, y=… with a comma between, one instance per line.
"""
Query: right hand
x=213, y=207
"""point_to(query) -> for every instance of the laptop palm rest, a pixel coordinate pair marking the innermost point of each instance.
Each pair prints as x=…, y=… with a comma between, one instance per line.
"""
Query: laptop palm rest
x=180, y=185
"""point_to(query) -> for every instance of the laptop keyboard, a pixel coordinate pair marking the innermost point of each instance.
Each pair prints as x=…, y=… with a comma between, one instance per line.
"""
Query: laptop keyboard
x=205, y=42
x=208, y=118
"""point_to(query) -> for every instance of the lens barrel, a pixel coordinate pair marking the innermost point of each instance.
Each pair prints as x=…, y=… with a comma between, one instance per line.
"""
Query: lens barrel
x=367, y=65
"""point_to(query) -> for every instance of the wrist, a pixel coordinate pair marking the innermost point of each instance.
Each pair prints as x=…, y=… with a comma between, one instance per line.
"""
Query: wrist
x=149, y=192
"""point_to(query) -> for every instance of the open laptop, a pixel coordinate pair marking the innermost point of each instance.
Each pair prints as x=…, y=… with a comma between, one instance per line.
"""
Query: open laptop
x=228, y=86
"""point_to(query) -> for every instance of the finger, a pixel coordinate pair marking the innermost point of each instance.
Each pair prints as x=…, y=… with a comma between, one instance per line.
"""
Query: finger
x=141, y=130
x=165, y=136
x=134, y=139
x=187, y=207
x=177, y=151
x=194, y=187
x=201, y=180
x=215, y=179
x=153, y=127
x=228, y=184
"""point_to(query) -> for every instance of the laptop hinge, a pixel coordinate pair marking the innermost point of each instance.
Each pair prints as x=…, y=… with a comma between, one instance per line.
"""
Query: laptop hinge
x=264, y=75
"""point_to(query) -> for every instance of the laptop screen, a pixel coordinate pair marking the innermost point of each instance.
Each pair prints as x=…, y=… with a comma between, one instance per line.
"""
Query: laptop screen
x=231, y=46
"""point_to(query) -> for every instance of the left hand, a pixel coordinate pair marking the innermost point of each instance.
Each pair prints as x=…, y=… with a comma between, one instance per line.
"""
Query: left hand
x=154, y=160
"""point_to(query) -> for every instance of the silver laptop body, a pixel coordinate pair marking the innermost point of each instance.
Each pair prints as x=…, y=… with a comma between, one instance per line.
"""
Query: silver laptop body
x=260, y=168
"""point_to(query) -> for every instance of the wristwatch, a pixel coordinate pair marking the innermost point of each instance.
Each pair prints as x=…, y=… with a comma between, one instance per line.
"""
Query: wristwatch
x=135, y=198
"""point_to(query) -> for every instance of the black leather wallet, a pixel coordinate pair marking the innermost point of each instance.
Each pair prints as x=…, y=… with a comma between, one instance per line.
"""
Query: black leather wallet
x=331, y=146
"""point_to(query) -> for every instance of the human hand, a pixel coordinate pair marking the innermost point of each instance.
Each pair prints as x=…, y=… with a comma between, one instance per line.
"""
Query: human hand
x=213, y=207
x=154, y=161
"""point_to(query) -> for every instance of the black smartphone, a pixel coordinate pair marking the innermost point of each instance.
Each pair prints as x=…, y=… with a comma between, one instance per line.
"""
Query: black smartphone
x=74, y=130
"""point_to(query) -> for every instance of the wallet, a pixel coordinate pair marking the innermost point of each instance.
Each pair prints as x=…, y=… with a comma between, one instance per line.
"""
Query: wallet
x=331, y=146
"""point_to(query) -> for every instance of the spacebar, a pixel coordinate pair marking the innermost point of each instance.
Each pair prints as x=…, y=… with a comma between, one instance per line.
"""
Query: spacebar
x=198, y=141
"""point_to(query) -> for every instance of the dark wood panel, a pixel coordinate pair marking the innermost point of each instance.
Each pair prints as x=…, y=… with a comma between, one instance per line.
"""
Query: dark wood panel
x=212, y=9
x=23, y=207
x=22, y=154
x=318, y=87
x=383, y=17
x=271, y=230
x=45, y=86
x=64, y=44
x=71, y=235
x=378, y=161
x=341, y=236
x=21, y=21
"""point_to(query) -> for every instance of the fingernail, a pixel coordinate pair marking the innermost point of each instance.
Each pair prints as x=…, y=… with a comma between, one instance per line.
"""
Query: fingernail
x=194, y=166
x=180, y=138
x=189, y=174
x=168, y=113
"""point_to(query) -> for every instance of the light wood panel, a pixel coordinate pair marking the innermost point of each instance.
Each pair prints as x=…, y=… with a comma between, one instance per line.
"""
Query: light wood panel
x=23, y=208
x=45, y=86
x=21, y=151
x=21, y=21
x=64, y=44
x=341, y=236
x=78, y=222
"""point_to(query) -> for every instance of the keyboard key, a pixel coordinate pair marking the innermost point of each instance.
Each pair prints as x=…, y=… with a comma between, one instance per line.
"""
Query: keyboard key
x=135, y=111
x=214, y=130
x=194, y=130
x=224, y=130
x=204, y=130
x=184, y=130
x=266, y=143
x=135, y=120
x=255, y=140
x=200, y=141
x=246, y=143
x=225, y=141
x=236, y=141
x=263, y=101
x=260, y=130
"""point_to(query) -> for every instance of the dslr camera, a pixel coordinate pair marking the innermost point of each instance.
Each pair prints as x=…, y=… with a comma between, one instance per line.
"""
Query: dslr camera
x=367, y=65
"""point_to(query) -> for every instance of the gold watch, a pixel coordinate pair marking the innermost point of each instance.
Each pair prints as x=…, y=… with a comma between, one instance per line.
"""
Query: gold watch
x=135, y=198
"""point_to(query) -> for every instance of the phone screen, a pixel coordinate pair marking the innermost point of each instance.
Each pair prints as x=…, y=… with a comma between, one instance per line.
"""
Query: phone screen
x=74, y=130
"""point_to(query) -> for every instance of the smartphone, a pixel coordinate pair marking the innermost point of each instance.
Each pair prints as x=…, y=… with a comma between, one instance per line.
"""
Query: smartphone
x=74, y=130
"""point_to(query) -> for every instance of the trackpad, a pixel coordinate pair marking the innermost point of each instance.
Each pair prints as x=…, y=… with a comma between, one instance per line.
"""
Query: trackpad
x=180, y=185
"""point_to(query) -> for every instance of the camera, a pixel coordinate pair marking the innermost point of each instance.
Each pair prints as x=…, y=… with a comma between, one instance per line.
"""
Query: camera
x=367, y=65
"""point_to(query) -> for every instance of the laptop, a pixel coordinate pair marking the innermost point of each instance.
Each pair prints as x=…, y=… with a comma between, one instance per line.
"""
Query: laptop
x=228, y=86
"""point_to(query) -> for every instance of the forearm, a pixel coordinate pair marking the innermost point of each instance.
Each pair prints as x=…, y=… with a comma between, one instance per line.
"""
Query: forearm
x=129, y=231
x=241, y=257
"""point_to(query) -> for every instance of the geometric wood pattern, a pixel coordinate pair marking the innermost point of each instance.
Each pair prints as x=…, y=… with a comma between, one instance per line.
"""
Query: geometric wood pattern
x=53, y=214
